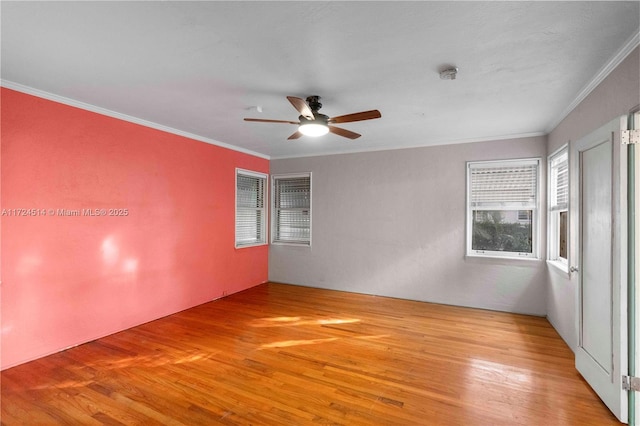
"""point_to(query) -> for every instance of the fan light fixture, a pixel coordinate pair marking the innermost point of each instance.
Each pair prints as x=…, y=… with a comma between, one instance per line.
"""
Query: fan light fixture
x=313, y=129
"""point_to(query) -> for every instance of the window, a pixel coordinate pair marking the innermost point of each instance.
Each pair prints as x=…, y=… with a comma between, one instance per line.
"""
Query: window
x=291, y=213
x=558, y=205
x=251, y=225
x=502, y=208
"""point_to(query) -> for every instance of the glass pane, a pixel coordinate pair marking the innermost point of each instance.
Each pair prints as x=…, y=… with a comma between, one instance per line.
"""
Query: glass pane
x=249, y=226
x=250, y=191
x=559, y=182
x=514, y=184
x=562, y=235
x=292, y=193
x=502, y=230
x=562, y=185
x=293, y=226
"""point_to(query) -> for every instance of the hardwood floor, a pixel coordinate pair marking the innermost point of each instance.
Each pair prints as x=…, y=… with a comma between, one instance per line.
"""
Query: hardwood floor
x=287, y=355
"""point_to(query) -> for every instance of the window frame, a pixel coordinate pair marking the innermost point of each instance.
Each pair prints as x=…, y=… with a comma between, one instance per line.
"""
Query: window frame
x=263, y=238
x=554, y=211
x=274, y=214
x=535, y=210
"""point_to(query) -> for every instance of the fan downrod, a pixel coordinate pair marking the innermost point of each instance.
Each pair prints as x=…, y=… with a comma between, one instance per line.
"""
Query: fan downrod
x=314, y=103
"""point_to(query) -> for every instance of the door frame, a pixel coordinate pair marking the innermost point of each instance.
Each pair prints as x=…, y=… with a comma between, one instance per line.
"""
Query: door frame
x=634, y=262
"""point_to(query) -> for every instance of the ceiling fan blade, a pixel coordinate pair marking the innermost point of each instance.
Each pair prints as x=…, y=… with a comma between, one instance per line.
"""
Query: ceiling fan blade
x=343, y=132
x=356, y=116
x=296, y=135
x=302, y=107
x=261, y=120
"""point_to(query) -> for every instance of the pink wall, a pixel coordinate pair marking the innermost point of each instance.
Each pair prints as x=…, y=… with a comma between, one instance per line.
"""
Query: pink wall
x=67, y=280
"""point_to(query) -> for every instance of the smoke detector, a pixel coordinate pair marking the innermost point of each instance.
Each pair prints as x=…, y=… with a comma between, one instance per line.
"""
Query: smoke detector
x=448, y=73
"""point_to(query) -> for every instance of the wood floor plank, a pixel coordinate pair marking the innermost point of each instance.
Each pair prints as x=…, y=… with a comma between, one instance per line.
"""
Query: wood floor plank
x=289, y=355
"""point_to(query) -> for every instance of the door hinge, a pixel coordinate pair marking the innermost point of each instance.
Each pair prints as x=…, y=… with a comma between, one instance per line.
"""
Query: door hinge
x=630, y=137
x=631, y=383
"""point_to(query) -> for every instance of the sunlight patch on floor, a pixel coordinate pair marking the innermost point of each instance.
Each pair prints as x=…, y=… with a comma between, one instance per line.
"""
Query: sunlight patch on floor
x=295, y=321
x=289, y=343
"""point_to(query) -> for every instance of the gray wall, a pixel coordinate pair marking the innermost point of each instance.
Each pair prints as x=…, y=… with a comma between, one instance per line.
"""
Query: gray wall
x=392, y=223
x=615, y=96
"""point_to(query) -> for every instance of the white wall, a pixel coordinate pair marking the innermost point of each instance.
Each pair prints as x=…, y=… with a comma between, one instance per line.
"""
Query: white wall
x=392, y=223
x=615, y=96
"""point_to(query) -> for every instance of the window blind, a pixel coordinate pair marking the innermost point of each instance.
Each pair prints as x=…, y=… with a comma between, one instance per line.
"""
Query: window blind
x=559, y=183
x=292, y=209
x=504, y=186
x=250, y=209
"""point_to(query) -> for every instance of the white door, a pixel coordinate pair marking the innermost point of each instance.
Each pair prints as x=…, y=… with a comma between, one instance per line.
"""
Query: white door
x=599, y=176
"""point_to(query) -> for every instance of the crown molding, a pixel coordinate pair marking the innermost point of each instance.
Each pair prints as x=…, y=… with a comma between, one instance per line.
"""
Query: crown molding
x=113, y=114
x=615, y=60
x=431, y=144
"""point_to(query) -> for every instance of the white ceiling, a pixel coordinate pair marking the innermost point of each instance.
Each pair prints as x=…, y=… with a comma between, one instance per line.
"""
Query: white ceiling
x=200, y=67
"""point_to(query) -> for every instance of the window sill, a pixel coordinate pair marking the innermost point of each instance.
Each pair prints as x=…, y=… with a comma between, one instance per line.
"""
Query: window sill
x=284, y=243
x=560, y=266
x=250, y=245
x=502, y=260
x=502, y=257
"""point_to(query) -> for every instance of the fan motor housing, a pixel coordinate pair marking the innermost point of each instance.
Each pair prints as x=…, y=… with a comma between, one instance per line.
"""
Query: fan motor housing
x=319, y=118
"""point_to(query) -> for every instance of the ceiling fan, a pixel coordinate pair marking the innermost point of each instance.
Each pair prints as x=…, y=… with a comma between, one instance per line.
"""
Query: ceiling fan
x=313, y=123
